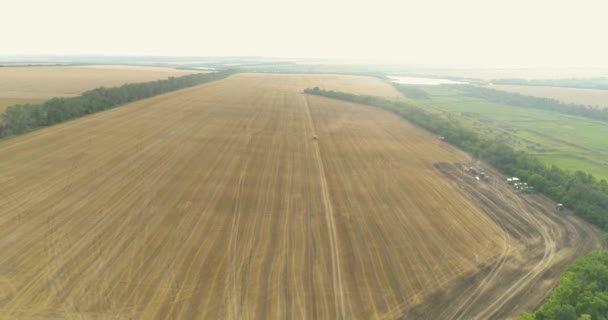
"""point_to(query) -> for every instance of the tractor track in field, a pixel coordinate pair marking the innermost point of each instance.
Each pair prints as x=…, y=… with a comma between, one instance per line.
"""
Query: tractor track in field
x=232, y=297
x=331, y=225
x=526, y=280
x=541, y=244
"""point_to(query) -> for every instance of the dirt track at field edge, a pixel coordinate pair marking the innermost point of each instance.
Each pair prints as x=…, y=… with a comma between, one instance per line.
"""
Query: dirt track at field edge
x=544, y=243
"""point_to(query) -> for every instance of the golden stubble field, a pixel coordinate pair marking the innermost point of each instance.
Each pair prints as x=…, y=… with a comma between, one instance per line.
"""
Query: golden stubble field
x=215, y=202
x=39, y=83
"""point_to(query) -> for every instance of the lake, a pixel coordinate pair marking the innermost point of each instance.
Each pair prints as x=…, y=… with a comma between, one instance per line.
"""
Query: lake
x=424, y=81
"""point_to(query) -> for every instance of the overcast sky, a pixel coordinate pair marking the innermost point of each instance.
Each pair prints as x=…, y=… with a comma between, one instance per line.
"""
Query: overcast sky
x=516, y=32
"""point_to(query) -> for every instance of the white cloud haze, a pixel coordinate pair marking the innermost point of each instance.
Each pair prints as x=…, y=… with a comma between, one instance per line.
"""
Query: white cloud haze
x=567, y=33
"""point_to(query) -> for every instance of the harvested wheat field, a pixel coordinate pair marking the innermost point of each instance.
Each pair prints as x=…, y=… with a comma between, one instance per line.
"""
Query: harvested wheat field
x=39, y=83
x=216, y=202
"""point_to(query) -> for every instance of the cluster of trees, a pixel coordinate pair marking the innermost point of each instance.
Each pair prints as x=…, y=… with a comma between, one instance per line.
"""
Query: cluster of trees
x=518, y=100
x=591, y=83
x=26, y=117
x=412, y=92
x=582, y=293
x=578, y=191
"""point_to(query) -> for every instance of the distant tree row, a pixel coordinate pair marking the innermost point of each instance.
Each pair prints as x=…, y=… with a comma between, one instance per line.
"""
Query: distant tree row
x=578, y=191
x=590, y=83
x=582, y=293
x=410, y=91
x=518, y=100
x=26, y=117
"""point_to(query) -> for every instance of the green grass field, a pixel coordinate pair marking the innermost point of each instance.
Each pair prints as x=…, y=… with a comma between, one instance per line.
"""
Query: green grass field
x=569, y=142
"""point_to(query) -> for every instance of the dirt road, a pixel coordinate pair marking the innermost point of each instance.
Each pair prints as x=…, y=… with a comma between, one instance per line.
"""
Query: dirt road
x=540, y=244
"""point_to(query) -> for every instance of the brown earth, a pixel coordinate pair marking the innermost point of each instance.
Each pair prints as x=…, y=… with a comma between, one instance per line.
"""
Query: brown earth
x=542, y=243
x=217, y=202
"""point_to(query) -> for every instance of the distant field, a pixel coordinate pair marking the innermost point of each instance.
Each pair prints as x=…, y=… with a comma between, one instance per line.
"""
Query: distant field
x=571, y=142
x=35, y=84
x=590, y=97
x=353, y=84
x=506, y=73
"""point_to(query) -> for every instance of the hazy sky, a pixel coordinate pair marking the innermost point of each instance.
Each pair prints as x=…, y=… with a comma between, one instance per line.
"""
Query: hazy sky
x=529, y=32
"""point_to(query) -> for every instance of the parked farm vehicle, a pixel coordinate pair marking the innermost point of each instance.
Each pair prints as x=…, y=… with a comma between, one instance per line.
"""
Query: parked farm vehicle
x=483, y=176
x=513, y=180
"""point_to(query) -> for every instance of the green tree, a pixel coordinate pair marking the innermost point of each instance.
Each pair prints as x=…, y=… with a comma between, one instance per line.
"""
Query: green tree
x=565, y=312
x=16, y=119
x=527, y=316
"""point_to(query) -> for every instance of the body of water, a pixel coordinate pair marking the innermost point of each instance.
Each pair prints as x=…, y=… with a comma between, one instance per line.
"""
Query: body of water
x=424, y=81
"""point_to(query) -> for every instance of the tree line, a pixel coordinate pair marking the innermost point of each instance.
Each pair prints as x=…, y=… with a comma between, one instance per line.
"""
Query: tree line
x=409, y=91
x=582, y=293
x=27, y=117
x=590, y=83
x=518, y=100
x=579, y=191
